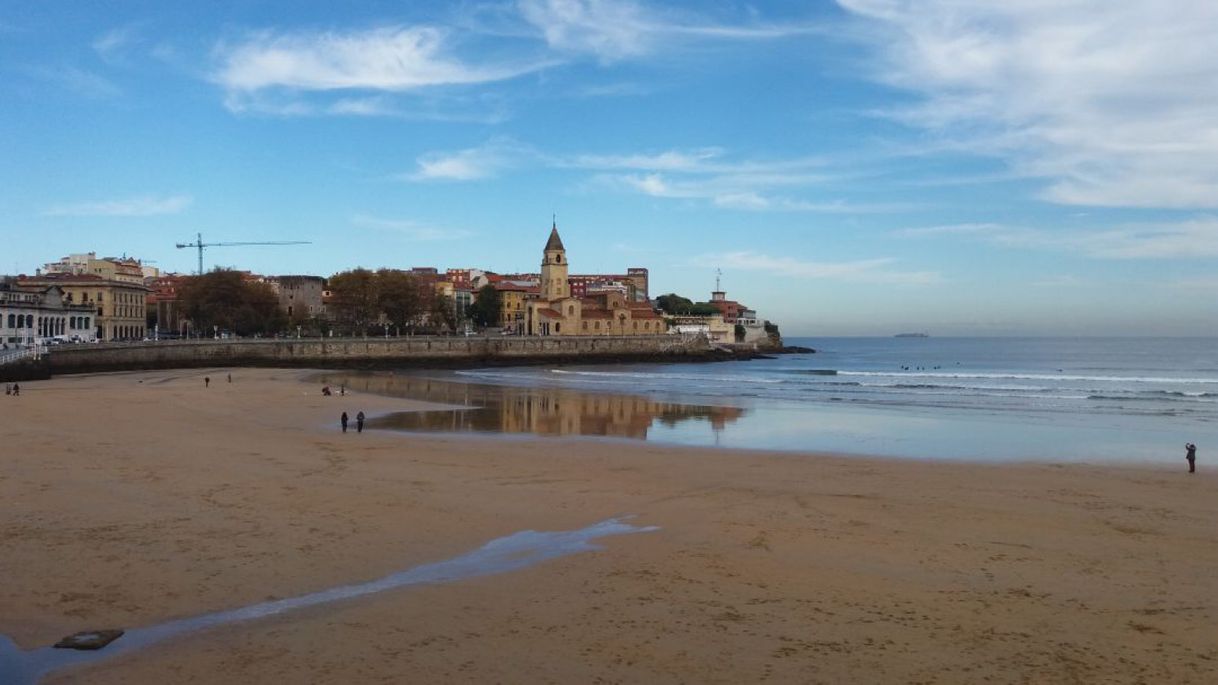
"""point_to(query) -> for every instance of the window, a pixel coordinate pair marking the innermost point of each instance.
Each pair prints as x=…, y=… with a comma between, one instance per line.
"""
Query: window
x=557, y=327
x=571, y=310
x=598, y=324
x=11, y=322
x=99, y=296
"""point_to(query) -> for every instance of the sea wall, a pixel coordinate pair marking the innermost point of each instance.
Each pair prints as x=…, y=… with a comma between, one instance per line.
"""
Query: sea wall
x=375, y=352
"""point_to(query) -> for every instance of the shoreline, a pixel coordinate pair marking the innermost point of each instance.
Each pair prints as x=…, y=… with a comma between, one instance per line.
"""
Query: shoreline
x=175, y=500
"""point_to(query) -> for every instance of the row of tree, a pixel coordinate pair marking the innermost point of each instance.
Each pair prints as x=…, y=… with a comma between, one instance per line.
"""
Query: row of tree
x=362, y=300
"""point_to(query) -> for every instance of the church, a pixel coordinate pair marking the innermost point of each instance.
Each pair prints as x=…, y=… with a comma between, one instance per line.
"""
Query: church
x=557, y=312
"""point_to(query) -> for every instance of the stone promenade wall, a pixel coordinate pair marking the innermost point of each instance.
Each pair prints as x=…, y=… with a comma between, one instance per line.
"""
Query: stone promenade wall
x=373, y=352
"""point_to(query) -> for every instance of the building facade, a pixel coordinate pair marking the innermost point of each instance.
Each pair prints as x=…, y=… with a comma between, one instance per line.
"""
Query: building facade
x=119, y=304
x=34, y=316
x=300, y=297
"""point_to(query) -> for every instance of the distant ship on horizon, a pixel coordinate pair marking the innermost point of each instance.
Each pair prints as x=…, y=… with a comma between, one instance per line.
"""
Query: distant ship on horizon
x=912, y=335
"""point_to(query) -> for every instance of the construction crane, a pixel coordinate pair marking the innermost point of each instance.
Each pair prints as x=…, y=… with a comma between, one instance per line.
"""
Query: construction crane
x=198, y=243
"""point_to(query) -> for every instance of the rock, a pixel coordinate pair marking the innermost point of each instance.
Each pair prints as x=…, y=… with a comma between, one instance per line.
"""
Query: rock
x=89, y=639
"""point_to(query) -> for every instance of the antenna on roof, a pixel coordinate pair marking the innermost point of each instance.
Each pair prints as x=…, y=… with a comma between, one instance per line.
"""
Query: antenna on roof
x=718, y=273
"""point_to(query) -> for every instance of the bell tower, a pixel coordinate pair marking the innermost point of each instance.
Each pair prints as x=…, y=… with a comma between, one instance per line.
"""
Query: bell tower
x=554, y=284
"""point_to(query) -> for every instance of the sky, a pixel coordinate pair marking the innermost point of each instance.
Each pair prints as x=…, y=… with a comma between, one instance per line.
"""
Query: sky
x=859, y=167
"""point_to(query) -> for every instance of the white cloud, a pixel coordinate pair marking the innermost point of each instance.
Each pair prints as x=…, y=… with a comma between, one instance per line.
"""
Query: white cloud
x=1115, y=104
x=861, y=271
x=137, y=206
x=737, y=191
x=469, y=164
x=389, y=60
x=613, y=30
x=1192, y=238
x=111, y=44
x=700, y=174
x=410, y=229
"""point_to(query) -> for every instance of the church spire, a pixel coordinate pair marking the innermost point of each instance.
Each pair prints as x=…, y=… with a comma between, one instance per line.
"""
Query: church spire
x=554, y=243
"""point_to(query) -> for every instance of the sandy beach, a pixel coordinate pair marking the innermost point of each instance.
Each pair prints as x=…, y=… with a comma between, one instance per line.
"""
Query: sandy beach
x=130, y=499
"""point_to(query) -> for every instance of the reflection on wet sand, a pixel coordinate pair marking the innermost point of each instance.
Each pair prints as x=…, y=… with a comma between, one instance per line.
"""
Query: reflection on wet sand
x=536, y=410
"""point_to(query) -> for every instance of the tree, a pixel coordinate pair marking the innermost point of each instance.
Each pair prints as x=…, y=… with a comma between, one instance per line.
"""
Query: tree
x=399, y=297
x=223, y=299
x=355, y=299
x=674, y=304
x=443, y=313
x=485, y=309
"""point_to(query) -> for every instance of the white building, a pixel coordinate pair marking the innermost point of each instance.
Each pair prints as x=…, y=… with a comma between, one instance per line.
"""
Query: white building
x=36, y=316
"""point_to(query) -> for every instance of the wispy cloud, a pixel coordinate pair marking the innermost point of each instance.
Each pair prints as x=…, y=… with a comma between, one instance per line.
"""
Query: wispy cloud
x=1192, y=238
x=137, y=206
x=111, y=44
x=613, y=30
x=743, y=191
x=875, y=271
x=707, y=175
x=470, y=164
x=82, y=82
x=412, y=230
x=1114, y=104
x=392, y=59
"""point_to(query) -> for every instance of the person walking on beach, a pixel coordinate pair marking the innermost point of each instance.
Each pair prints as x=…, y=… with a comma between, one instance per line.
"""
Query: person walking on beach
x=1190, y=453
x=359, y=422
x=16, y=389
x=207, y=381
x=343, y=420
x=230, y=378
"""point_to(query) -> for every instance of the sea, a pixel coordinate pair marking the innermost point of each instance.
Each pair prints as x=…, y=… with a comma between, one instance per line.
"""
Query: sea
x=1131, y=400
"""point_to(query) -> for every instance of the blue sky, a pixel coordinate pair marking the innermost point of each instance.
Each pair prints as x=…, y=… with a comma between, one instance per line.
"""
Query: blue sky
x=860, y=167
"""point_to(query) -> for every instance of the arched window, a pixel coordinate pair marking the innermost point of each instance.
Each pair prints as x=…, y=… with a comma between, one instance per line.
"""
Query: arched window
x=571, y=310
x=12, y=321
x=557, y=327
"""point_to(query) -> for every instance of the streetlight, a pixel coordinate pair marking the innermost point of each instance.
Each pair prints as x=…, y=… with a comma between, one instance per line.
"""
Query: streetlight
x=386, y=324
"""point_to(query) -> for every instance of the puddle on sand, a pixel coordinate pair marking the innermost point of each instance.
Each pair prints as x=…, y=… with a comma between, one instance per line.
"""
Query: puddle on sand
x=502, y=555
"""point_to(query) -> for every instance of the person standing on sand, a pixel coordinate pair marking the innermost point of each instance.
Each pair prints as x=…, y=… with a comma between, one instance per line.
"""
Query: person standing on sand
x=230, y=378
x=359, y=422
x=207, y=381
x=1190, y=453
x=16, y=389
x=343, y=420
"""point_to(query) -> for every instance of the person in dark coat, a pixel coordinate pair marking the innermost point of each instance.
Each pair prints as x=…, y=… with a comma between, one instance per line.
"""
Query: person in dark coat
x=343, y=420
x=359, y=422
x=16, y=389
x=1190, y=453
x=207, y=381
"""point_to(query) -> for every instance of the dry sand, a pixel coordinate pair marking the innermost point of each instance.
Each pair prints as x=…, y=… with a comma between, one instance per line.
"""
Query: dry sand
x=130, y=499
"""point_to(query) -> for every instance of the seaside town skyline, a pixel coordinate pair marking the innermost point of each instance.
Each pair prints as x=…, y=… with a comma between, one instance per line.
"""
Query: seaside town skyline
x=853, y=168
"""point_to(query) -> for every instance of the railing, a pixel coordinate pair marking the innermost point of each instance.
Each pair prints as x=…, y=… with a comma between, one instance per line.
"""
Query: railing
x=14, y=356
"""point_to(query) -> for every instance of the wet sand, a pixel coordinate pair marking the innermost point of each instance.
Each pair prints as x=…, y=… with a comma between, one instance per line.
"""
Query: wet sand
x=131, y=499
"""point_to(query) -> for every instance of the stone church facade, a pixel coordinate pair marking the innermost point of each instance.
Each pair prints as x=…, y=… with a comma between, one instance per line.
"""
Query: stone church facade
x=557, y=312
